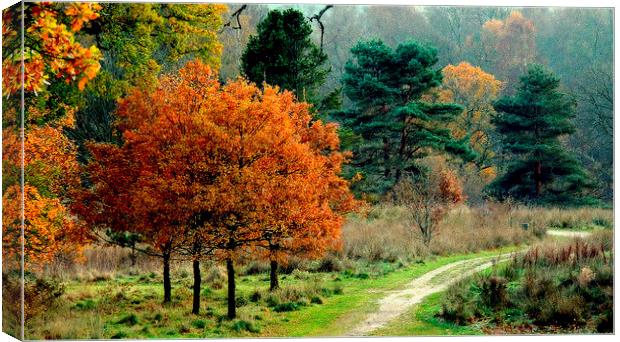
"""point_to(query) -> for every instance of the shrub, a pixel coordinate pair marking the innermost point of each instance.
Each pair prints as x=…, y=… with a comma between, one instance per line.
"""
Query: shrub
x=39, y=294
x=215, y=275
x=568, y=285
x=119, y=335
x=255, y=296
x=316, y=300
x=86, y=304
x=199, y=324
x=330, y=263
x=129, y=319
x=242, y=325
x=256, y=267
x=289, y=306
x=241, y=301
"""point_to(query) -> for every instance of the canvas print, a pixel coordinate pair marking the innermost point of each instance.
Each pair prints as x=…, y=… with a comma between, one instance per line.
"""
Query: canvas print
x=199, y=170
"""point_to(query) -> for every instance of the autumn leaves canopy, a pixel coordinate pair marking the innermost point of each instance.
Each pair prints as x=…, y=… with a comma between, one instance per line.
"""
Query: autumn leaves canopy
x=218, y=169
x=228, y=162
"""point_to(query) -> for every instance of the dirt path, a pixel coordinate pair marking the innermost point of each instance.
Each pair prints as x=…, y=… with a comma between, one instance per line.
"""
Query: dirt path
x=398, y=302
x=567, y=233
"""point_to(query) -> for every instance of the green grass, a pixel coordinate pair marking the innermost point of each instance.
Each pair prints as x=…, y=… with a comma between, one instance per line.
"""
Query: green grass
x=130, y=306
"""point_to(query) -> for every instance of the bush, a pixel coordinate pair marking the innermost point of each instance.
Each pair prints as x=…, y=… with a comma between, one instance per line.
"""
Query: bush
x=242, y=325
x=255, y=296
x=199, y=324
x=256, y=267
x=241, y=301
x=39, y=294
x=289, y=306
x=119, y=335
x=330, y=263
x=86, y=304
x=493, y=292
x=316, y=300
x=215, y=275
x=130, y=319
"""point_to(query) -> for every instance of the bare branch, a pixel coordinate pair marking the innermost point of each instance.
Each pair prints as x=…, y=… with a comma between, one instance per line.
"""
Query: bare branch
x=317, y=17
x=234, y=17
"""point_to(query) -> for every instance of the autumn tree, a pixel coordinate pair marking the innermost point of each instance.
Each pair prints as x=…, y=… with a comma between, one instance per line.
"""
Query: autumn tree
x=38, y=160
x=265, y=135
x=159, y=182
x=306, y=200
x=475, y=90
x=198, y=163
x=510, y=46
x=428, y=199
x=55, y=64
x=282, y=53
x=394, y=126
x=531, y=124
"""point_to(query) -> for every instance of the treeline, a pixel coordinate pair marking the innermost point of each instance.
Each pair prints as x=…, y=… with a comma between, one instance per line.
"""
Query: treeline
x=132, y=136
x=575, y=43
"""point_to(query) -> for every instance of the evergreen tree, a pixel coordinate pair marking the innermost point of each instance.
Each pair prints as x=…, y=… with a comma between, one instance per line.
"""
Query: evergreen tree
x=282, y=53
x=390, y=126
x=531, y=123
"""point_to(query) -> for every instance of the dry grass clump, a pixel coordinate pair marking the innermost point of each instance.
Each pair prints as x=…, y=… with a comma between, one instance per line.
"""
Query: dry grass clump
x=564, y=218
x=560, y=285
x=473, y=229
x=100, y=262
x=387, y=234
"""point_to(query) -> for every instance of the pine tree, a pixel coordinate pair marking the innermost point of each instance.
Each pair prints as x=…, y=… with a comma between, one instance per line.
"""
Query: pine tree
x=389, y=126
x=282, y=53
x=531, y=124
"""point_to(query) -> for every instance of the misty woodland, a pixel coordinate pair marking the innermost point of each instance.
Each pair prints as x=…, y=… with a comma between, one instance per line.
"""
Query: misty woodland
x=211, y=170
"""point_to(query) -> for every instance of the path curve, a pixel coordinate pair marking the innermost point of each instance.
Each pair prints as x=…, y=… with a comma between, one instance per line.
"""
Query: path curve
x=398, y=302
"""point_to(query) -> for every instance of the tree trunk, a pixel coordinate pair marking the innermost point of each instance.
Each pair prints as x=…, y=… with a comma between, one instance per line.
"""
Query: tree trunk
x=196, y=298
x=232, y=304
x=538, y=178
x=167, y=284
x=386, y=158
x=273, y=276
x=133, y=256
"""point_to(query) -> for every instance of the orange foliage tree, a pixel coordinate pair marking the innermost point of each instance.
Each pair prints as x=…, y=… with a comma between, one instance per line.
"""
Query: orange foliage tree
x=428, y=199
x=476, y=91
x=510, y=45
x=51, y=49
x=306, y=199
x=50, y=170
x=204, y=167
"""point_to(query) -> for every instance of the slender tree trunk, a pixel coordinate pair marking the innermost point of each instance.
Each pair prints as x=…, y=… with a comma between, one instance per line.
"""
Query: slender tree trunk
x=538, y=178
x=197, y=279
x=167, y=284
x=273, y=276
x=386, y=158
x=232, y=304
x=133, y=256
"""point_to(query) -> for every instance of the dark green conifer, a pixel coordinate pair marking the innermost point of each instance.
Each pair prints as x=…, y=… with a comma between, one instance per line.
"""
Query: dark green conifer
x=531, y=123
x=393, y=125
x=282, y=53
